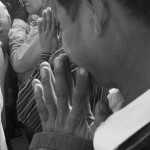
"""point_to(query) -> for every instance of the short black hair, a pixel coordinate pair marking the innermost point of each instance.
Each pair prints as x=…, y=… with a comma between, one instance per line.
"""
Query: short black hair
x=140, y=9
x=71, y=7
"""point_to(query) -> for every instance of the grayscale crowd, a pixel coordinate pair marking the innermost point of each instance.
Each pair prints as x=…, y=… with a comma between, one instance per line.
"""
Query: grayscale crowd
x=74, y=74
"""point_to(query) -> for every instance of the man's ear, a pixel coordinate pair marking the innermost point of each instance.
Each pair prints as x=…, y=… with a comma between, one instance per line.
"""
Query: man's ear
x=100, y=15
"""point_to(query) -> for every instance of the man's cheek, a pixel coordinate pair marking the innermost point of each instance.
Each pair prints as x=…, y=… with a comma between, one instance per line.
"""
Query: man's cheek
x=66, y=48
x=66, y=42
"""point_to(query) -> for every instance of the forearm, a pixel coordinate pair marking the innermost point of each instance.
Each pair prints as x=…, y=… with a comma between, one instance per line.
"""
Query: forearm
x=25, y=46
x=23, y=61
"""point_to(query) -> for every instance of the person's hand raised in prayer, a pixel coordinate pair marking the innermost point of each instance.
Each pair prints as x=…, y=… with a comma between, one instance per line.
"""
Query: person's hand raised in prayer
x=48, y=31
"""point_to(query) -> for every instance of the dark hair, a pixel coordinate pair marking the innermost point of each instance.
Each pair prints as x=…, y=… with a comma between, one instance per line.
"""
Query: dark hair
x=71, y=7
x=140, y=9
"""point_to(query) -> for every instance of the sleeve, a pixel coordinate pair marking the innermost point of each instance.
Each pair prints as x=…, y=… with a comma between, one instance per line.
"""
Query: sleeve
x=2, y=136
x=2, y=110
x=25, y=46
x=59, y=141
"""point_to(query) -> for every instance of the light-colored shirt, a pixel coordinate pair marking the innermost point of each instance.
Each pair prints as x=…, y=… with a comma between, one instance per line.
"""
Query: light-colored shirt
x=123, y=124
x=2, y=75
x=5, y=24
x=25, y=48
x=2, y=137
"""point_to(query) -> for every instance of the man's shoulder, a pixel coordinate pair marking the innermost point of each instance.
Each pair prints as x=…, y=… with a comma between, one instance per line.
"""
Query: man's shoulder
x=139, y=141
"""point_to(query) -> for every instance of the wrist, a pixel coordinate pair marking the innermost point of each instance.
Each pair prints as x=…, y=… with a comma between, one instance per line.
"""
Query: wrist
x=61, y=141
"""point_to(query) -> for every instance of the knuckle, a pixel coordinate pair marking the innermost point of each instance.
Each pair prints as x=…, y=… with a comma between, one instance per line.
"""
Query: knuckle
x=61, y=92
x=71, y=125
x=41, y=109
x=37, y=95
x=60, y=123
x=50, y=100
x=79, y=95
x=82, y=82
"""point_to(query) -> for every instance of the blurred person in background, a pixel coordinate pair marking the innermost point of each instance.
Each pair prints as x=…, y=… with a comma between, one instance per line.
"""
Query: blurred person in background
x=25, y=52
x=5, y=25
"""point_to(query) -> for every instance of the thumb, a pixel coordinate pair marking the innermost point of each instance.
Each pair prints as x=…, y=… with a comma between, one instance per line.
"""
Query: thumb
x=39, y=23
x=102, y=112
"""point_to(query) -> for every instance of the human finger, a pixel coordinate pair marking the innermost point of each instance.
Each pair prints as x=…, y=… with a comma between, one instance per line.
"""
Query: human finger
x=88, y=112
x=102, y=112
x=49, y=93
x=53, y=26
x=61, y=89
x=48, y=19
x=39, y=23
x=46, y=64
x=80, y=96
x=69, y=76
x=44, y=20
x=38, y=94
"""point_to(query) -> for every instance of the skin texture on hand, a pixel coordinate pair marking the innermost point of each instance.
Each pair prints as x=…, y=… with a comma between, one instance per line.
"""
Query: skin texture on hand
x=53, y=95
x=48, y=31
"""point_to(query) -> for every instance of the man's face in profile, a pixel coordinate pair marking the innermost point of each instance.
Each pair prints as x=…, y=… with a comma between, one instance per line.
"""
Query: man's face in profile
x=79, y=40
x=99, y=38
x=77, y=36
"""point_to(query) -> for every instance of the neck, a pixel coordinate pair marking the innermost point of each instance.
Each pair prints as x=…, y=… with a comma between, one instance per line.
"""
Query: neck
x=133, y=89
x=133, y=75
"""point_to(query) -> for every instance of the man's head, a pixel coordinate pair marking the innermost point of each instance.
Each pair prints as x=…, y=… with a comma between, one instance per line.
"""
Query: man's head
x=137, y=8
x=102, y=35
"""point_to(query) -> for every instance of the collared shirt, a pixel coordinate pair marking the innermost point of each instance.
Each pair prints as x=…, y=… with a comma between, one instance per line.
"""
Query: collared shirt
x=25, y=48
x=123, y=124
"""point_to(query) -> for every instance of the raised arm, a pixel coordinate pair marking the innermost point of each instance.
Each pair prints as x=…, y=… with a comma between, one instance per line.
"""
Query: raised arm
x=24, y=43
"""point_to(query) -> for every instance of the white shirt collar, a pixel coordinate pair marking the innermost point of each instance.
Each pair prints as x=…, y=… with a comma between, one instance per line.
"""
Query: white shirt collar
x=123, y=124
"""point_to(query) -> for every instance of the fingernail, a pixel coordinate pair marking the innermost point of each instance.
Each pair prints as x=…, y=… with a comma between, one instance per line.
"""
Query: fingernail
x=36, y=88
x=57, y=63
x=43, y=72
x=82, y=71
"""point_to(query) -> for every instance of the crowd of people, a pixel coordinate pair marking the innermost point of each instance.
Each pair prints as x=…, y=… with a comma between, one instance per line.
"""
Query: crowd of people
x=74, y=74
